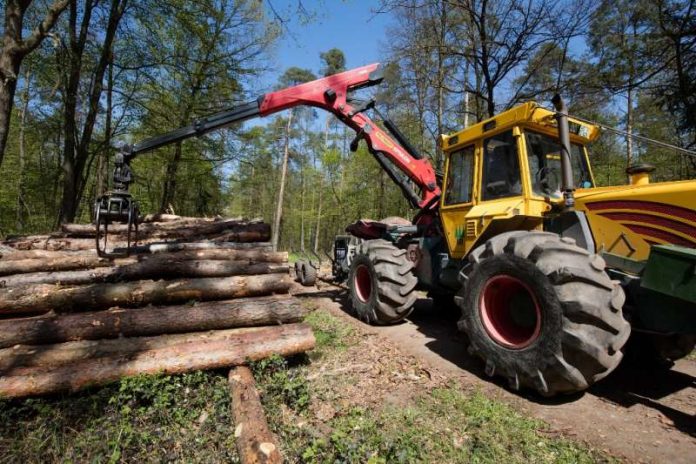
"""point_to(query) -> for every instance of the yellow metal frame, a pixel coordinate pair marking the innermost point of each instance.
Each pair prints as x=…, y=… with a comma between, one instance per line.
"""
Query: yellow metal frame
x=624, y=220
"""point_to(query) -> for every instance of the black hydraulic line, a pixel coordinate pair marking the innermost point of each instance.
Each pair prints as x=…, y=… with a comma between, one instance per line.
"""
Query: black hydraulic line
x=398, y=178
x=401, y=138
x=398, y=135
x=199, y=127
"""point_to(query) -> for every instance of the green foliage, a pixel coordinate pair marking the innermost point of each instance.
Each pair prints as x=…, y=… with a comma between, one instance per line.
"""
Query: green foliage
x=145, y=418
x=281, y=385
x=329, y=332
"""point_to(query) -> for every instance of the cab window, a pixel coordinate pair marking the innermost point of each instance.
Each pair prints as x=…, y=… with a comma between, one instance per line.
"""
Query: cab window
x=501, y=167
x=544, y=153
x=460, y=176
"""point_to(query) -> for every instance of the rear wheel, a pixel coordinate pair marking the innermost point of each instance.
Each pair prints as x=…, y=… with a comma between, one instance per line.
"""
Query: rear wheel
x=308, y=275
x=381, y=282
x=541, y=312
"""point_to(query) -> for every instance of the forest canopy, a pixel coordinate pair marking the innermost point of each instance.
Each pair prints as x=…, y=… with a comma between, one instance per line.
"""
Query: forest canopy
x=80, y=77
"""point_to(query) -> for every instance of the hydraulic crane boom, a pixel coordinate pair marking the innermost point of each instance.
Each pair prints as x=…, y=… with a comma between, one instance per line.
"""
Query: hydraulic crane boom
x=397, y=157
x=332, y=94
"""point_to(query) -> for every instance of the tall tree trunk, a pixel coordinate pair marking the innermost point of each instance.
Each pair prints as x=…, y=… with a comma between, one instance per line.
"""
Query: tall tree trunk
x=170, y=180
x=302, y=208
x=21, y=202
x=14, y=49
x=9, y=68
x=629, y=126
x=103, y=160
x=281, y=190
x=77, y=145
x=466, y=95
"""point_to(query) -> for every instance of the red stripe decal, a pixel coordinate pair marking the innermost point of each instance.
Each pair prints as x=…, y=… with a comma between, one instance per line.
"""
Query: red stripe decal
x=662, y=208
x=661, y=234
x=659, y=221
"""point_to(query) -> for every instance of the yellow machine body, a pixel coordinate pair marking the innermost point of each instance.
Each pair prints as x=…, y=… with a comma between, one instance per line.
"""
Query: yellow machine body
x=624, y=220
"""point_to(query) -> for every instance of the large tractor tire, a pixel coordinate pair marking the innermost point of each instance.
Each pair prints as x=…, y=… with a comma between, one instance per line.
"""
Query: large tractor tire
x=542, y=312
x=382, y=283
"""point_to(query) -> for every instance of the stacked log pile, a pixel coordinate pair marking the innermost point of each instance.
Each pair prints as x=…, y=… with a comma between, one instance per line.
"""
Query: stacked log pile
x=195, y=294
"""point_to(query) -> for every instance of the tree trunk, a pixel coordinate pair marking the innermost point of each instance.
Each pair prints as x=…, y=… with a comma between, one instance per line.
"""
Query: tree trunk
x=103, y=156
x=14, y=49
x=117, y=323
x=135, y=357
x=629, y=125
x=39, y=299
x=9, y=70
x=281, y=190
x=21, y=201
x=77, y=145
x=255, y=442
x=170, y=179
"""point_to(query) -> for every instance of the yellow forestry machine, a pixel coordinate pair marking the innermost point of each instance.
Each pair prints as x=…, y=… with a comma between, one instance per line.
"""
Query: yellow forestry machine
x=550, y=272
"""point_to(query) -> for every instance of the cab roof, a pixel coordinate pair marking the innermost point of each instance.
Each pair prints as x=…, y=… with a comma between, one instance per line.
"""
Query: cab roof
x=529, y=114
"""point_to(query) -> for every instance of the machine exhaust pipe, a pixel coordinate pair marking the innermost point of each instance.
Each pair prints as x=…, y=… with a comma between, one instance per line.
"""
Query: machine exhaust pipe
x=566, y=166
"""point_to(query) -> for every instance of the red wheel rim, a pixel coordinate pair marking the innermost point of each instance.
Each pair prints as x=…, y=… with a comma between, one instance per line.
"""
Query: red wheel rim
x=510, y=312
x=363, y=283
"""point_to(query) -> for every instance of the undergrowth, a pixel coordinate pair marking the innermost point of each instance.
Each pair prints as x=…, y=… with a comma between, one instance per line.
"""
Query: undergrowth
x=186, y=418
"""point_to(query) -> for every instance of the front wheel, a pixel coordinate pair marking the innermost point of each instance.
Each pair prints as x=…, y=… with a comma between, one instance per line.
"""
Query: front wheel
x=382, y=283
x=541, y=312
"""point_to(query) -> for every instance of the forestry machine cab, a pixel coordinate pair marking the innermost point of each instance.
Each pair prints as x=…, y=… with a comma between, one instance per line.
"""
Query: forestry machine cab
x=404, y=165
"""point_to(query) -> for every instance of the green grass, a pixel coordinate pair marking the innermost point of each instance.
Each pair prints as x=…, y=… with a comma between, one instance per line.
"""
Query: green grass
x=446, y=425
x=141, y=419
x=331, y=333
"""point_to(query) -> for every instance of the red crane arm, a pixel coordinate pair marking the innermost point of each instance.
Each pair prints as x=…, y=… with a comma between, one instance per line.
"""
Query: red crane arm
x=332, y=94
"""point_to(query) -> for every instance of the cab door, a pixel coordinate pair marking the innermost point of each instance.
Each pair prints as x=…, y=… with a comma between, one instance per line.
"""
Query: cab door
x=459, y=196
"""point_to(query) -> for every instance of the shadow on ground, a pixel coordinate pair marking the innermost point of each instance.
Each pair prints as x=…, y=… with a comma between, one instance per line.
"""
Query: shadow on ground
x=630, y=384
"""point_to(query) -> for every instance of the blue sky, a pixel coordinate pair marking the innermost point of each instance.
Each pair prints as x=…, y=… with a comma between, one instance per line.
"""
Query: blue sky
x=350, y=25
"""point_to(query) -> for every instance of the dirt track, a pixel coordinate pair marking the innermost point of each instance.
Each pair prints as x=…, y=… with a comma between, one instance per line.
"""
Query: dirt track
x=635, y=413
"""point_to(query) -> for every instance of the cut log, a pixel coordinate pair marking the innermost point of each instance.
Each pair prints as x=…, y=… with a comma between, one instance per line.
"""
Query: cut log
x=255, y=442
x=114, y=323
x=202, y=245
x=193, y=263
x=252, y=255
x=42, y=298
x=247, y=231
x=17, y=255
x=64, y=278
x=63, y=263
x=234, y=348
x=163, y=217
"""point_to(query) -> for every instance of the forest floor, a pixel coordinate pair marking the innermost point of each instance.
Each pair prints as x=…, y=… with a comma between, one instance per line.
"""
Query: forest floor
x=635, y=414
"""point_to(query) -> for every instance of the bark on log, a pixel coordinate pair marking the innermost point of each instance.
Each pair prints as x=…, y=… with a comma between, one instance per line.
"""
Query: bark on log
x=248, y=231
x=42, y=298
x=255, y=442
x=16, y=255
x=63, y=278
x=144, y=246
x=259, y=251
x=173, y=265
x=114, y=323
x=64, y=263
x=163, y=217
x=202, y=245
x=135, y=359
